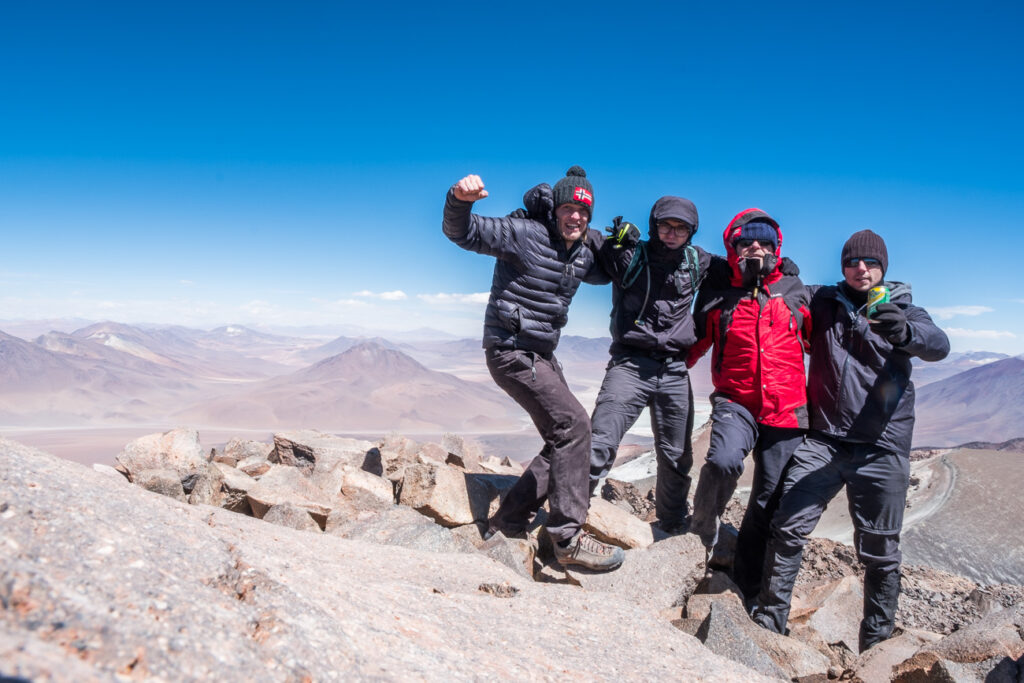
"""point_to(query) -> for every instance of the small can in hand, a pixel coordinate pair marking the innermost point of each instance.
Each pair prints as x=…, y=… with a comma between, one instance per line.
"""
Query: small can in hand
x=876, y=295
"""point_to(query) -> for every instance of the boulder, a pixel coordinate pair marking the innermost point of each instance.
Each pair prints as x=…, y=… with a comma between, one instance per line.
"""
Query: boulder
x=877, y=663
x=291, y=516
x=178, y=450
x=243, y=450
x=204, y=486
x=431, y=454
x=396, y=452
x=834, y=610
x=450, y=497
x=729, y=632
x=714, y=586
x=516, y=553
x=313, y=450
x=235, y=488
x=163, y=481
x=399, y=526
x=360, y=484
x=612, y=524
x=110, y=472
x=662, y=575
x=286, y=484
x=462, y=452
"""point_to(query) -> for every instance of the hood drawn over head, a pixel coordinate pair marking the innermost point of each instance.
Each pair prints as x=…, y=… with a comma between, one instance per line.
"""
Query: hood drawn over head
x=672, y=207
x=732, y=233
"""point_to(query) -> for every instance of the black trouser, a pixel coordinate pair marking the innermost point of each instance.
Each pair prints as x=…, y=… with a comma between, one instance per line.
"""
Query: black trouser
x=634, y=382
x=559, y=473
x=734, y=433
x=876, y=482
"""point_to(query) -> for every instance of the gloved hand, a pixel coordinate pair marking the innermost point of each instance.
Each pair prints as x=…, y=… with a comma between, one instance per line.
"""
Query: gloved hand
x=623, y=233
x=890, y=322
x=788, y=267
x=519, y=213
x=539, y=201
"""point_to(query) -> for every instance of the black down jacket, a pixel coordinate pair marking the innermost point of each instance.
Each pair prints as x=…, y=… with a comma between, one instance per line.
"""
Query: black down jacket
x=859, y=386
x=534, y=280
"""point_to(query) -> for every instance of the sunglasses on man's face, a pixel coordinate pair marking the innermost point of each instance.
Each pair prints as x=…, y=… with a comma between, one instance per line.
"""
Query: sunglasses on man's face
x=743, y=244
x=869, y=262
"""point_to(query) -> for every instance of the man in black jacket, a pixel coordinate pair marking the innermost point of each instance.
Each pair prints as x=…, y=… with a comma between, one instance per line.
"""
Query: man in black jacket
x=541, y=261
x=862, y=420
x=654, y=284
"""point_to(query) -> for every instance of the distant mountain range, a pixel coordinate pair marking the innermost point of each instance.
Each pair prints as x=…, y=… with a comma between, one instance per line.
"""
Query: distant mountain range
x=112, y=374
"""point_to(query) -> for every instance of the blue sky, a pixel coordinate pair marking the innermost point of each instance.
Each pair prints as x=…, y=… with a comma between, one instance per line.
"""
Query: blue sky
x=285, y=164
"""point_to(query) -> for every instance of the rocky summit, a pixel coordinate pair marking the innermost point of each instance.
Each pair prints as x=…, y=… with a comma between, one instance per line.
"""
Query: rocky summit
x=320, y=558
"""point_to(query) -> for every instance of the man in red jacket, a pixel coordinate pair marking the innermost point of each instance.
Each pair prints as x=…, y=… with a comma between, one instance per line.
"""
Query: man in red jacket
x=757, y=327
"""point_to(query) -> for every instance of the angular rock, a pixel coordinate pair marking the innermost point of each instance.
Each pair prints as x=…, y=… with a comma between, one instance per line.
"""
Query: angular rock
x=729, y=632
x=662, y=575
x=286, y=484
x=247, y=450
x=396, y=452
x=103, y=583
x=362, y=484
x=235, y=489
x=495, y=466
x=203, y=487
x=833, y=610
x=877, y=663
x=313, y=450
x=699, y=605
x=463, y=453
x=399, y=526
x=110, y=472
x=450, y=497
x=512, y=464
x=516, y=553
x=431, y=454
x=177, y=449
x=996, y=635
x=165, y=482
x=628, y=496
x=291, y=516
x=612, y=524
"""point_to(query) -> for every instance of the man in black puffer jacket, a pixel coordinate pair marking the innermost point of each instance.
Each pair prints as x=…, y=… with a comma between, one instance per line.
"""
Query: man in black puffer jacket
x=654, y=284
x=540, y=264
x=862, y=419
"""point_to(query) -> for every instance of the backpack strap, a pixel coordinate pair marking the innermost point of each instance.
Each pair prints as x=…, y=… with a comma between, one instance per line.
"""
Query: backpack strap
x=636, y=265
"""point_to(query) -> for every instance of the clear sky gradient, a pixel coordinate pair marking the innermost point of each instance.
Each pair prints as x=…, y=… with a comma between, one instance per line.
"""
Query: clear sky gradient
x=285, y=164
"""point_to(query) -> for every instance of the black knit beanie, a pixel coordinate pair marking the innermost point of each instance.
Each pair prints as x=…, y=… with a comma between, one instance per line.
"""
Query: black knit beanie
x=865, y=244
x=574, y=188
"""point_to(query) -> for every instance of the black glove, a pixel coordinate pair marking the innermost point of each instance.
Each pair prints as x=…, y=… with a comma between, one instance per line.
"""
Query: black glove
x=539, y=201
x=623, y=233
x=890, y=322
x=519, y=213
x=788, y=267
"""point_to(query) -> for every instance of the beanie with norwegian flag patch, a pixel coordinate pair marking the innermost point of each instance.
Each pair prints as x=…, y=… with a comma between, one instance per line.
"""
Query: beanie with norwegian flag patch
x=574, y=188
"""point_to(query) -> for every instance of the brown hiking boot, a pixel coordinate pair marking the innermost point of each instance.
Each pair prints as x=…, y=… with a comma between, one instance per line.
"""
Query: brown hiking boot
x=586, y=551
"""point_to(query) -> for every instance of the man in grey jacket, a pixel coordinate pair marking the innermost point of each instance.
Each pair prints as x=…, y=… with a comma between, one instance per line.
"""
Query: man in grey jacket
x=541, y=261
x=862, y=419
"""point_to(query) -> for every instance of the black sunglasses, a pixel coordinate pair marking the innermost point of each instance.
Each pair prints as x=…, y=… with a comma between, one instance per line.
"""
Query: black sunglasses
x=869, y=262
x=743, y=244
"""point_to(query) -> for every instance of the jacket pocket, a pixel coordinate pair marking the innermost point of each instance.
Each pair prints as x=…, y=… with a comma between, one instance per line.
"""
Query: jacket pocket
x=508, y=315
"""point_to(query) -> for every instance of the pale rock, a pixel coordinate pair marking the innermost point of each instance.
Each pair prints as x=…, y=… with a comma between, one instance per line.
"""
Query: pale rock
x=473, y=533
x=462, y=452
x=612, y=524
x=163, y=481
x=106, y=583
x=235, y=489
x=399, y=526
x=662, y=575
x=431, y=454
x=243, y=450
x=713, y=587
x=834, y=610
x=510, y=463
x=729, y=632
x=493, y=465
x=450, y=497
x=204, y=486
x=291, y=516
x=223, y=459
x=320, y=452
x=877, y=663
x=178, y=450
x=362, y=483
x=396, y=452
x=516, y=553
x=286, y=484
x=110, y=472
x=254, y=468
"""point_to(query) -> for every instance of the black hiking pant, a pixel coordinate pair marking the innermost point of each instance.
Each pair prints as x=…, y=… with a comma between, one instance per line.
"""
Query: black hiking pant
x=734, y=433
x=558, y=474
x=634, y=382
x=876, y=483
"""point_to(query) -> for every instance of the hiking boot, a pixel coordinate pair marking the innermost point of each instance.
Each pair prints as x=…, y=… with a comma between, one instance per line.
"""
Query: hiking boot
x=586, y=551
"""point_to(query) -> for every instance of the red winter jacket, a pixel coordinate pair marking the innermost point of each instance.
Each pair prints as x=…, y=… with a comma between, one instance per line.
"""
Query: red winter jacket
x=758, y=333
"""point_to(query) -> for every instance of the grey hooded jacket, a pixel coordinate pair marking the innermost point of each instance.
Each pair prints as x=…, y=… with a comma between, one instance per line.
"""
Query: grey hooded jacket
x=535, y=276
x=859, y=386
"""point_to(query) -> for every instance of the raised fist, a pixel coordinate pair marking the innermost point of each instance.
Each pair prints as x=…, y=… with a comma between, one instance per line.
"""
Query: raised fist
x=469, y=189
